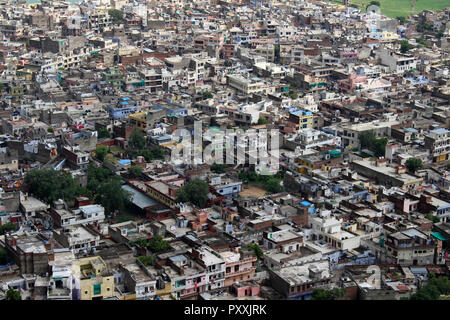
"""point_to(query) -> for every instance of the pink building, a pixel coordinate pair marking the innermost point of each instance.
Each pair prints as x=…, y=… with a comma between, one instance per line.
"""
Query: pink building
x=246, y=289
x=349, y=84
x=239, y=266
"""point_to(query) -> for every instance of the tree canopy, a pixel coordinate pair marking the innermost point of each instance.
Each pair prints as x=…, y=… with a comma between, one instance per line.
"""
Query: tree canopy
x=157, y=244
x=262, y=121
x=405, y=46
x=3, y=257
x=195, y=191
x=106, y=189
x=147, y=260
x=218, y=168
x=12, y=294
x=207, y=95
x=270, y=183
x=50, y=185
x=116, y=16
x=257, y=251
x=435, y=287
x=368, y=139
x=100, y=152
x=333, y=294
x=151, y=154
x=401, y=19
x=103, y=133
x=378, y=146
x=273, y=186
x=135, y=171
x=432, y=218
x=137, y=140
x=7, y=227
x=414, y=164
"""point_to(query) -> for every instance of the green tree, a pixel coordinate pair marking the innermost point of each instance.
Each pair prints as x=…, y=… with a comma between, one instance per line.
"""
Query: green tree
x=218, y=168
x=116, y=16
x=354, y=6
x=147, y=260
x=12, y=294
x=401, y=19
x=195, y=191
x=8, y=227
x=50, y=130
x=435, y=287
x=157, y=244
x=414, y=164
x=111, y=195
x=125, y=219
x=135, y=171
x=273, y=185
x=140, y=242
x=103, y=133
x=207, y=95
x=150, y=154
x=3, y=257
x=365, y=138
x=137, y=140
x=428, y=26
x=157, y=153
x=51, y=185
x=277, y=52
x=432, y=218
x=262, y=121
x=257, y=251
x=100, y=152
x=405, y=46
x=378, y=146
x=147, y=154
x=442, y=283
x=428, y=292
x=322, y=294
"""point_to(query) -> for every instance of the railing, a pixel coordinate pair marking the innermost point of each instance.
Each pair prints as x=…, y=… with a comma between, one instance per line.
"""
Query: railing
x=252, y=259
x=234, y=273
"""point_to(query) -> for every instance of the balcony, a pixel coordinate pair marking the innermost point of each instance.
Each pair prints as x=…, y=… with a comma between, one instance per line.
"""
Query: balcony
x=59, y=293
x=233, y=273
x=251, y=259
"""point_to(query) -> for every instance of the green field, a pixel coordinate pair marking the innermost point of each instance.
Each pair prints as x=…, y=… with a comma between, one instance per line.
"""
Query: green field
x=396, y=8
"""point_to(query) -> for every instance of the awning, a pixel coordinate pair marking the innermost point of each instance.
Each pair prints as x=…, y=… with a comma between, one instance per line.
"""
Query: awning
x=438, y=236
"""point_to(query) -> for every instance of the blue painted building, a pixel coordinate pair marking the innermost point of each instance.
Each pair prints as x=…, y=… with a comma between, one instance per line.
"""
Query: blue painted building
x=124, y=107
x=229, y=190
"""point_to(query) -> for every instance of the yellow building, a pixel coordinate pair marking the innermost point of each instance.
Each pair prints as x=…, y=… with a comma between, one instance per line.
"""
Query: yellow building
x=387, y=36
x=96, y=282
x=305, y=119
x=139, y=120
x=304, y=166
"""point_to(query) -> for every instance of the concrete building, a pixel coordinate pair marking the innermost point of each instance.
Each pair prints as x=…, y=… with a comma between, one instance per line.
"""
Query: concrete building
x=298, y=282
x=438, y=142
x=239, y=267
x=95, y=281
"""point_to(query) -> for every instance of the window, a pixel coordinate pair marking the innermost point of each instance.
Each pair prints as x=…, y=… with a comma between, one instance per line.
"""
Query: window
x=97, y=288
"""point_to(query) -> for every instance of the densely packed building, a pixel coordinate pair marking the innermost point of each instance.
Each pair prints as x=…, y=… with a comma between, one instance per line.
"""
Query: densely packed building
x=98, y=98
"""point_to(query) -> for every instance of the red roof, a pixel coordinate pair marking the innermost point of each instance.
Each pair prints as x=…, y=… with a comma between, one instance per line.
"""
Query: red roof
x=402, y=287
